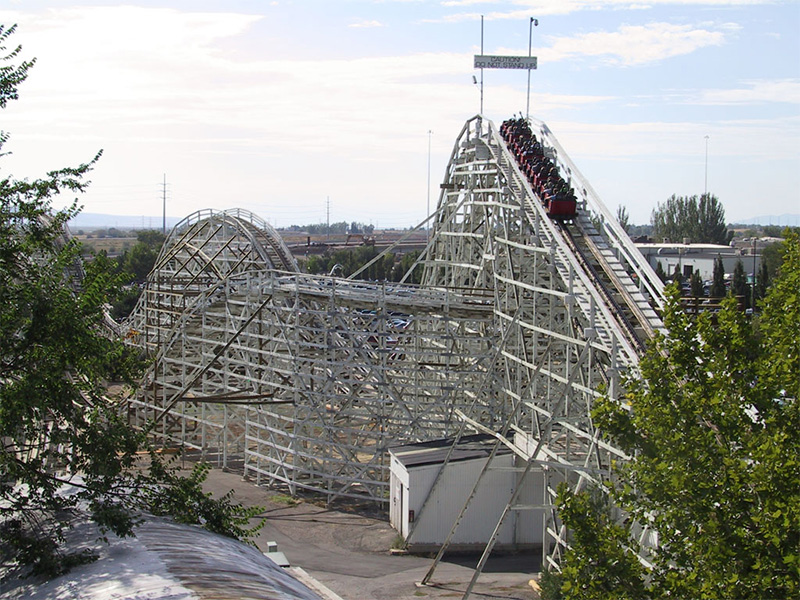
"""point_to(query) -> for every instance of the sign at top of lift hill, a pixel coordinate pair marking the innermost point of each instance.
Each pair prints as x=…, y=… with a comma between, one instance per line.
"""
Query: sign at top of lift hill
x=504, y=62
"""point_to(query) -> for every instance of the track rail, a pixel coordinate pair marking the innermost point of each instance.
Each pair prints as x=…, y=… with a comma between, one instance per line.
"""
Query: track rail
x=622, y=275
x=598, y=270
x=609, y=228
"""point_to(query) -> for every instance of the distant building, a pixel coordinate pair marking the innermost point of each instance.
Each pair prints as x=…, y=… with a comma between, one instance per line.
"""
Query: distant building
x=700, y=257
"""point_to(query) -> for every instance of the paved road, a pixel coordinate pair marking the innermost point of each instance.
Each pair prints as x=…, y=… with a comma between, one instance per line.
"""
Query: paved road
x=349, y=553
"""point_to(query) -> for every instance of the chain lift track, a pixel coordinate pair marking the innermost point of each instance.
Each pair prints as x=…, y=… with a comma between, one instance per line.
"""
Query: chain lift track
x=305, y=381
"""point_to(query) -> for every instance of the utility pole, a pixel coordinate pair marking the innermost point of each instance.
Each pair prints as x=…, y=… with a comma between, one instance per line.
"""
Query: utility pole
x=328, y=212
x=705, y=184
x=164, y=203
x=428, y=214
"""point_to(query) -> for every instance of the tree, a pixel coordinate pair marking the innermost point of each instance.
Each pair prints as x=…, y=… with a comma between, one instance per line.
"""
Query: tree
x=59, y=426
x=712, y=427
x=11, y=75
x=152, y=238
x=677, y=275
x=697, y=285
x=718, y=279
x=701, y=220
x=623, y=218
x=739, y=287
x=762, y=282
x=772, y=256
x=660, y=271
x=139, y=261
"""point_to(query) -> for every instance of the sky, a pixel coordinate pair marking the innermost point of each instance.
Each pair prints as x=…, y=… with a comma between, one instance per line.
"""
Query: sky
x=307, y=110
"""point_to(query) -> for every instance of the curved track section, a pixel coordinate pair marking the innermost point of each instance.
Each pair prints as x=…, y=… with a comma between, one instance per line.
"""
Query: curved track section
x=303, y=380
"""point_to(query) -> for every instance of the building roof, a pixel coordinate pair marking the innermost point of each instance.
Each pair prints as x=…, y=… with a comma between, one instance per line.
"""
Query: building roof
x=675, y=247
x=433, y=452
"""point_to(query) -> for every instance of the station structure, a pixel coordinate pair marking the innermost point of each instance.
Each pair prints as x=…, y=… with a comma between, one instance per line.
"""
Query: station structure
x=519, y=323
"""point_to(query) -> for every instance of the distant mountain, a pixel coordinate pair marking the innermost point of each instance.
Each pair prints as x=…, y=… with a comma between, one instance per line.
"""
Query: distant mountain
x=786, y=219
x=100, y=221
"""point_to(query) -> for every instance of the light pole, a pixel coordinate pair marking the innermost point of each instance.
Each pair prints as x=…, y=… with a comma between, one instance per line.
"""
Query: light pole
x=430, y=133
x=481, y=67
x=533, y=23
x=705, y=185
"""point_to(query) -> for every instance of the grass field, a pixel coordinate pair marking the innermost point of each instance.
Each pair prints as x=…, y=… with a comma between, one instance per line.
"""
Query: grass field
x=112, y=246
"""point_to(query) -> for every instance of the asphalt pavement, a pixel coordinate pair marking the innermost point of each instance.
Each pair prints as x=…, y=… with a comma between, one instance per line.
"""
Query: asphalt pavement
x=348, y=553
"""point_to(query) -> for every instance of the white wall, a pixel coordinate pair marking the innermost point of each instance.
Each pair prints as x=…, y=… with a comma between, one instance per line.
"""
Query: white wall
x=410, y=488
x=699, y=258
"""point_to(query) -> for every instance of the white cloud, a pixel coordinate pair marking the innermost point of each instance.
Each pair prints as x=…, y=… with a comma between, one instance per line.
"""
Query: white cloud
x=755, y=92
x=467, y=2
x=197, y=96
x=523, y=9
x=675, y=137
x=676, y=163
x=635, y=44
x=159, y=91
x=366, y=24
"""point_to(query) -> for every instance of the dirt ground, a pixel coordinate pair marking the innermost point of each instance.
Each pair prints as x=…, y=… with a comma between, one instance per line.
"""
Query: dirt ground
x=350, y=554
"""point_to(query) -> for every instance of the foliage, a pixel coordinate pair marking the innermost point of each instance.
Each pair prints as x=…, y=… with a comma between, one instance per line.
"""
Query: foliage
x=152, y=238
x=778, y=231
x=550, y=585
x=739, y=286
x=677, y=274
x=599, y=559
x=623, y=218
x=406, y=263
x=65, y=451
x=772, y=257
x=11, y=75
x=338, y=228
x=697, y=285
x=640, y=233
x=780, y=323
x=660, y=271
x=139, y=261
x=53, y=416
x=351, y=260
x=701, y=220
x=183, y=499
x=713, y=425
x=126, y=301
x=762, y=281
x=718, y=279
x=132, y=267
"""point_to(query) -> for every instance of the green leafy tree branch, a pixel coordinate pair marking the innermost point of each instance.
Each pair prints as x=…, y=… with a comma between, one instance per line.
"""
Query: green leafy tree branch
x=65, y=452
x=712, y=425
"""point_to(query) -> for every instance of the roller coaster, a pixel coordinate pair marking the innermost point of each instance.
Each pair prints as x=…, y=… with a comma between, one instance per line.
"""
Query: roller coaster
x=305, y=381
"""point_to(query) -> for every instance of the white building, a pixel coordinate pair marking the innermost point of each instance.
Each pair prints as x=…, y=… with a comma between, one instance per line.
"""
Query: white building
x=413, y=471
x=698, y=257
